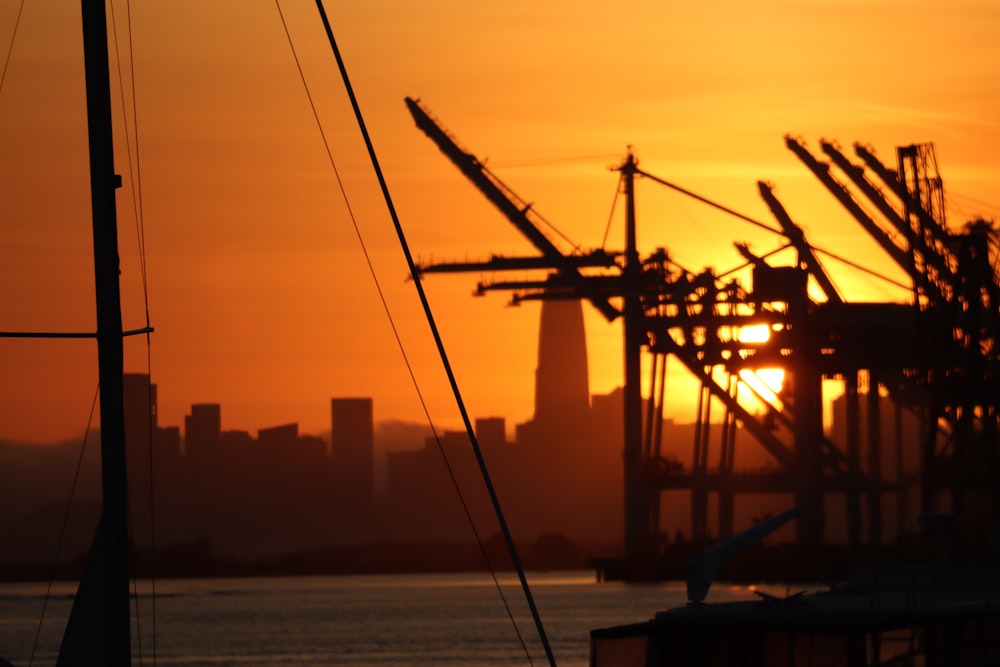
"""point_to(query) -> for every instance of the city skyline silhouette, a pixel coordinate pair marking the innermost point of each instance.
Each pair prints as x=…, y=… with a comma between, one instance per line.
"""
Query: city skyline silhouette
x=282, y=491
x=228, y=494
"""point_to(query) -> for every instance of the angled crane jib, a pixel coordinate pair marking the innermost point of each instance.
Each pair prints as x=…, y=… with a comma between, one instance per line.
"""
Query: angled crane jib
x=930, y=243
x=797, y=237
x=516, y=210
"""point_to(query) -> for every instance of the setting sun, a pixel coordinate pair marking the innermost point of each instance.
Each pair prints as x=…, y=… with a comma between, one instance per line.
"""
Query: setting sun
x=759, y=333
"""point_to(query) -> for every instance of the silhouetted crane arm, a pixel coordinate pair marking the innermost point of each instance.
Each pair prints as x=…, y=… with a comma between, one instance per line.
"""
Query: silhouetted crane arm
x=597, y=258
x=857, y=176
x=797, y=237
x=513, y=207
x=888, y=176
x=822, y=172
x=605, y=285
x=931, y=250
x=892, y=179
x=752, y=259
x=937, y=234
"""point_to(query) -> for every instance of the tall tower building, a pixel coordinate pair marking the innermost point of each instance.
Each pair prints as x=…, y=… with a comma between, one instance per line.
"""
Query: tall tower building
x=562, y=384
x=352, y=440
x=152, y=456
x=203, y=430
x=203, y=443
x=491, y=431
x=139, y=402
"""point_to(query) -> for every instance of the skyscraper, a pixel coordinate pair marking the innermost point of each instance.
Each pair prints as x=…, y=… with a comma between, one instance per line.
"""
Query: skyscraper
x=203, y=432
x=562, y=385
x=352, y=440
x=152, y=458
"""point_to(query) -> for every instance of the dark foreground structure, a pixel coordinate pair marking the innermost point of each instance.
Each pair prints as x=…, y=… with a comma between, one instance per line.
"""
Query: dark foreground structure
x=928, y=616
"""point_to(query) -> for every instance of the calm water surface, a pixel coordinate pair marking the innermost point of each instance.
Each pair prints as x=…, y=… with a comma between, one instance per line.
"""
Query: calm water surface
x=441, y=619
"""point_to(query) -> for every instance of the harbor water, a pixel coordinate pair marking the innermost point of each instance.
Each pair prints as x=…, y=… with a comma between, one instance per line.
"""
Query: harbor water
x=436, y=619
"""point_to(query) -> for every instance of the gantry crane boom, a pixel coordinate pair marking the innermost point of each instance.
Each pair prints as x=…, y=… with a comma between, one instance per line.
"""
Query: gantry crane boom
x=513, y=207
x=891, y=178
x=797, y=237
x=752, y=259
x=934, y=233
x=596, y=258
x=888, y=176
x=932, y=252
x=857, y=176
x=836, y=188
x=610, y=285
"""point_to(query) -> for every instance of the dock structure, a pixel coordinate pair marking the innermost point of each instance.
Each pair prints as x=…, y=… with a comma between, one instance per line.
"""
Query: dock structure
x=935, y=359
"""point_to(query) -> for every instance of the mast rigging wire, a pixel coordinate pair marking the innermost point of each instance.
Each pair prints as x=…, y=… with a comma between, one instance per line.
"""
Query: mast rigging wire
x=611, y=213
x=711, y=203
x=549, y=161
x=10, y=47
x=395, y=331
x=378, y=287
x=437, y=338
x=147, y=329
x=135, y=170
x=136, y=189
x=758, y=223
x=65, y=525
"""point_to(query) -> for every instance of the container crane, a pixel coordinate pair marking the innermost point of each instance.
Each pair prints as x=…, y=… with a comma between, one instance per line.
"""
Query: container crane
x=515, y=209
x=667, y=310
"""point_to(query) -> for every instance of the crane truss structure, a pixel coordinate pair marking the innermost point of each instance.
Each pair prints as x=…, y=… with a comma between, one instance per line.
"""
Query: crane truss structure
x=937, y=357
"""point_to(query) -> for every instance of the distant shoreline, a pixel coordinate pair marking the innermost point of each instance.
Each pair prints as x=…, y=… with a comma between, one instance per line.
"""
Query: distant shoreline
x=196, y=560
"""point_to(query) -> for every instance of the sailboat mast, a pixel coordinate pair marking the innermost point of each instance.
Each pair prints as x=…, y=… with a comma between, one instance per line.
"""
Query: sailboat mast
x=103, y=182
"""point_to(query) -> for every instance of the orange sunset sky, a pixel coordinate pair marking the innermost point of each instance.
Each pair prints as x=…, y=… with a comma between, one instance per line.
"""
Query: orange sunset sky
x=258, y=290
